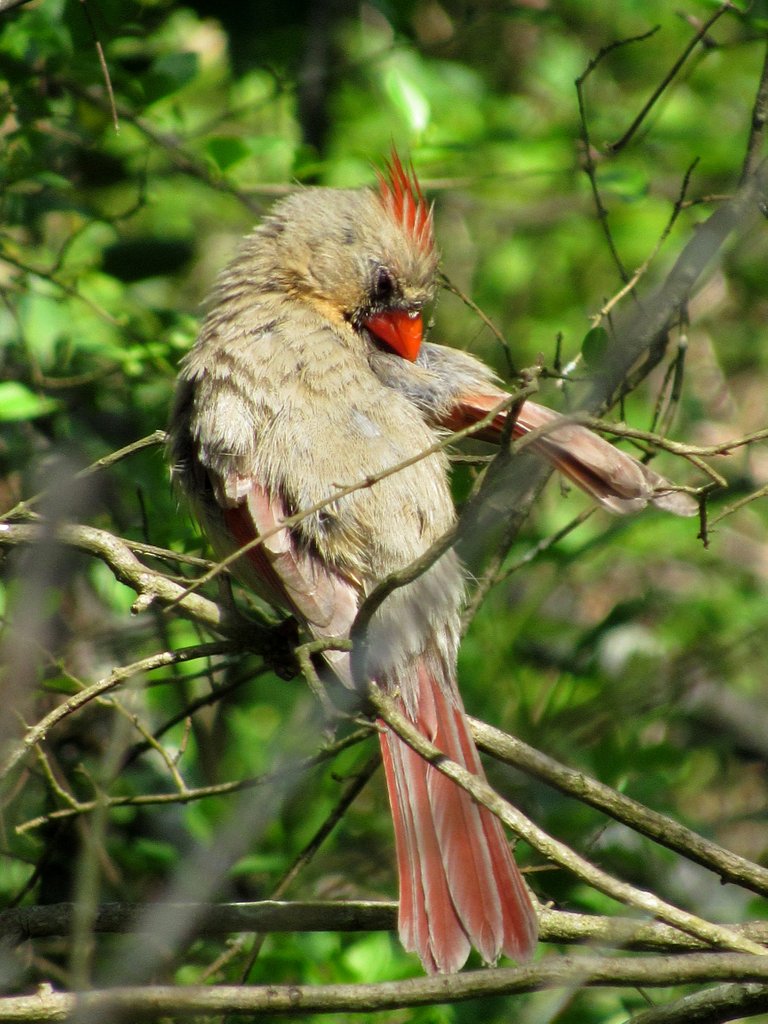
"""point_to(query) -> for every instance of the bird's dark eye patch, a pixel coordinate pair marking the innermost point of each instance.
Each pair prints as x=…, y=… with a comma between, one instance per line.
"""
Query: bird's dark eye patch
x=383, y=286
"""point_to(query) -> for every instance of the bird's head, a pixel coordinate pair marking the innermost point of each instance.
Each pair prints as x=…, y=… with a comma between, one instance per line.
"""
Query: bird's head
x=366, y=257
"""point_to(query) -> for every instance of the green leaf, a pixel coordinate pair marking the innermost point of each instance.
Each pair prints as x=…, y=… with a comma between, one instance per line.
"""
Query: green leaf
x=169, y=74
x=226, y=150
x=17, y=402
x=594, y=346
x=408, y=98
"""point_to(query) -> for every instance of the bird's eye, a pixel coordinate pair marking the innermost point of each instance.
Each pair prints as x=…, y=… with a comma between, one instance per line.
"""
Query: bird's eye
x=383, y=285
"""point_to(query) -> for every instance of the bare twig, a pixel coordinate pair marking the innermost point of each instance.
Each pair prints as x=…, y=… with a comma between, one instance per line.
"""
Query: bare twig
x=149, y=584
x=638, y=333
x=305, y=856
x=729, y=510
x=151, y=743
x=617, y=146
x=634, y=280
x=588, y=154
x=471, y=304
x=693, y=452
x=102, y=65
x=197, y=793
x=157, y=437
x=170, y=144
x=63, y=286
x=38, y=732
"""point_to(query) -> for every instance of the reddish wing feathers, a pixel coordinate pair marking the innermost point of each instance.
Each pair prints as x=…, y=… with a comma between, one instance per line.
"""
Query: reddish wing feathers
x=289, y=577
x=401, y=195
x=619, y=482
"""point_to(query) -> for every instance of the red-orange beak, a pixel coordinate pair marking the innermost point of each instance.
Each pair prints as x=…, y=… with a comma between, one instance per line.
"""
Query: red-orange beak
x=400, y=329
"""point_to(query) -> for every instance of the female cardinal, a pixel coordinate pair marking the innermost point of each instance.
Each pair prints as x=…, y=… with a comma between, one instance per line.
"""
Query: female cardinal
x=310, y=374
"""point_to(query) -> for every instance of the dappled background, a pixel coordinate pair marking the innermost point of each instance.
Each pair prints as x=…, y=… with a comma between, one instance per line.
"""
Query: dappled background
x=139, y=141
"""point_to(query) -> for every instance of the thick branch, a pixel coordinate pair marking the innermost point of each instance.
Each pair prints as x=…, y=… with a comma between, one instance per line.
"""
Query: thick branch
x=713, y=1006
x=150, y=1002
x=149, y=584
x=556, y=926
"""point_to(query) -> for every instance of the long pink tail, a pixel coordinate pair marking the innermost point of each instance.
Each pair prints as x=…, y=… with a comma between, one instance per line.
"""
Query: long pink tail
x=459, y=886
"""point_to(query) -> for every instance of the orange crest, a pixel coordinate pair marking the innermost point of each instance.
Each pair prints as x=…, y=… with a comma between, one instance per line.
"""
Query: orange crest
x=401, y=196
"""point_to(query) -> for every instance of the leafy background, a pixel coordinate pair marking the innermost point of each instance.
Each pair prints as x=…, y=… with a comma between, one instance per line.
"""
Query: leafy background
x=627, y=649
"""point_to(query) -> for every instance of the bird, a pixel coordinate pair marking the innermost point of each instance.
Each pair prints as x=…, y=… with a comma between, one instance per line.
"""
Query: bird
x=311, y=375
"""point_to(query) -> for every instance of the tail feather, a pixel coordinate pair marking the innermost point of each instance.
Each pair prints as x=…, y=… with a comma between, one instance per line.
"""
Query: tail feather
x=460, y=886
x=462, y=832
x=517, y=943
x=427, y=922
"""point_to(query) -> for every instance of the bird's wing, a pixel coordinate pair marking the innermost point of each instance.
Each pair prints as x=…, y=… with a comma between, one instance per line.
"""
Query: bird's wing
x=455, y=390
x=288, y=574
x=616, y=480
x=239, y=511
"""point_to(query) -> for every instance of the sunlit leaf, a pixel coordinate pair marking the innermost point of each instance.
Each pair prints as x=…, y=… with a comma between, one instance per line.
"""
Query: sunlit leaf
x=17, y=402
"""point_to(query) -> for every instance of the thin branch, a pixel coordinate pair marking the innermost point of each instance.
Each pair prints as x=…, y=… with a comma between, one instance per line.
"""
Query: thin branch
x=199, y=793
x=638, y=332
x=634, y=280
x=38, y=732
x=729, y=510
x=671, y=389
x=55, y=786
x=215, y=694
x=102, y=65
x=504, y=572
x=471, y=304
x=351, y=792
x=157, y=437
x=149, y=584
x=170, y=144
x=676, y=447
x=695, y=454
x=590, y=168
x=151, y=743
x=67, y=289
x=616, y=147
x=757, y=125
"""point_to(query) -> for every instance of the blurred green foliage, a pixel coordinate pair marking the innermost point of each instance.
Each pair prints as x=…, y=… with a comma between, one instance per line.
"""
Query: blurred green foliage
x=603, y=650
